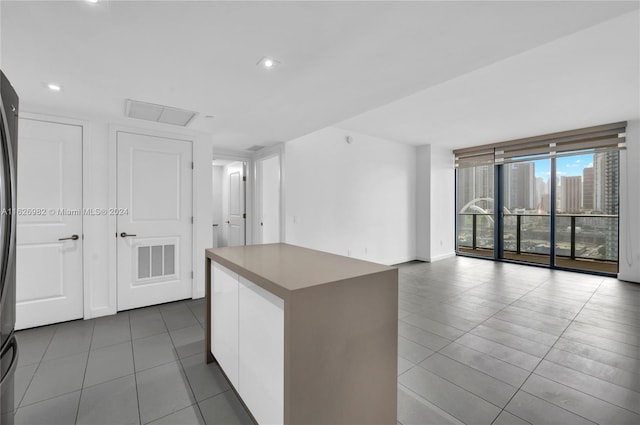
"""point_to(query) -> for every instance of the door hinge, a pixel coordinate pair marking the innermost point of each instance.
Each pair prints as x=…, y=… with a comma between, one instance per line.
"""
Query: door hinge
x=244, y=215
x=191, y=219
x=191, y=274
x=244, y=178
x=192, y=166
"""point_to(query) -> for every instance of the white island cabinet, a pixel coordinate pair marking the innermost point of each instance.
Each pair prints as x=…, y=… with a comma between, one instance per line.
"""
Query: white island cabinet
x=303, y=336
x=247, y=339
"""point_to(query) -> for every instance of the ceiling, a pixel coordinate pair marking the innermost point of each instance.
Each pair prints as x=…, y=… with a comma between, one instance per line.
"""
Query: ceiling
x=339, y=60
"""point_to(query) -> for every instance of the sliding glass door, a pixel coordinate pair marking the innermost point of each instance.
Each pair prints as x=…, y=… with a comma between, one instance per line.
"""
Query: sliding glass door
x=586, y=213
x=475, y=218
x=526, y=219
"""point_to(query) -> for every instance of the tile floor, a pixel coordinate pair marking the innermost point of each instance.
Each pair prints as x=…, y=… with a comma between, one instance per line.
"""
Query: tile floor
x=479, y=343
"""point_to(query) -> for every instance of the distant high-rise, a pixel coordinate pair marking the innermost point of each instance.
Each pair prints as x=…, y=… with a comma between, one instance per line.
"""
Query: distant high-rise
x=571, y=193
x=588, y=193
x=605, y=177
x=542, y=195
x=475, y=182
x=519, y=185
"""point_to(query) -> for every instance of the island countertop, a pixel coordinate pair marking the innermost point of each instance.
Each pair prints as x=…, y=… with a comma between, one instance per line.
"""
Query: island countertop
x=281, y=268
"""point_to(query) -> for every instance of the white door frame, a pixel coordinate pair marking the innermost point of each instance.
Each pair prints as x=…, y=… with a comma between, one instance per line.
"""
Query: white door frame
x=249, y=191
x=113, y=184
x=264, y=153
x=87, y=187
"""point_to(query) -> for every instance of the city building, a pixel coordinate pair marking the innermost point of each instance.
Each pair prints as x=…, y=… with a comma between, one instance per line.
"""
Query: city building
x=519, y=185
x=588, y=190
x=571, y=194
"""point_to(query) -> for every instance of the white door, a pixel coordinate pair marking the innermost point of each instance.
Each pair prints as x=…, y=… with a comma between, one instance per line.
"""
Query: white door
x=49, y=224
x=154, y=223
x=237, y=216
x=268, y=170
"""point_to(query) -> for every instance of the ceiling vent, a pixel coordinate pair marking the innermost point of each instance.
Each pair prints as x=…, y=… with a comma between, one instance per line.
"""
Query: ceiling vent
x=159, y=113
x=255, y=148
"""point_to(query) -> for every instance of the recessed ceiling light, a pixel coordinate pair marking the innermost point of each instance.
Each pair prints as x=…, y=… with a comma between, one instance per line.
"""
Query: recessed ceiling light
x=268, y=63
x=54, y=87
x=92, y=1
x=209, y=116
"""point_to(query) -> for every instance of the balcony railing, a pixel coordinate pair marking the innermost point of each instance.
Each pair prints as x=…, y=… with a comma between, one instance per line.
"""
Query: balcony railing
x=578, y=236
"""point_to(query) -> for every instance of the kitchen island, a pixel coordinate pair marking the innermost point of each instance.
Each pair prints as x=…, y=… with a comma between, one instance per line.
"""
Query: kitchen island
x=303, y=336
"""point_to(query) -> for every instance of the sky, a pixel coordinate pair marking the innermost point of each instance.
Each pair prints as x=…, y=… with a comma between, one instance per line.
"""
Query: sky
x=565, y=166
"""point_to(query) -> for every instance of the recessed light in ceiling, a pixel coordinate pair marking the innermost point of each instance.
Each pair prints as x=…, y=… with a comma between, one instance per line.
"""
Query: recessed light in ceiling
x=92, y=1
x=268, y=63
x=54, y=87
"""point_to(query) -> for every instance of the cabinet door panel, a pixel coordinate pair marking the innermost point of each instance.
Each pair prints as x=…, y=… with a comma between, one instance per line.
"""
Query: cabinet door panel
x=261, y=329
x=224, y=320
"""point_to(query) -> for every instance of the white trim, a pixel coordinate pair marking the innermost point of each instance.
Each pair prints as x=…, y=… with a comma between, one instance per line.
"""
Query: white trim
x=247, y=157
x=114, y=129
x=262, y=154
x=87, y=189
x=441, y=257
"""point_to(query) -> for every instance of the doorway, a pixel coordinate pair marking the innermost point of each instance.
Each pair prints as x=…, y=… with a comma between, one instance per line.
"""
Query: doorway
x=229, y=182
x=268, y=199
x=49, y=224
x=154, y=219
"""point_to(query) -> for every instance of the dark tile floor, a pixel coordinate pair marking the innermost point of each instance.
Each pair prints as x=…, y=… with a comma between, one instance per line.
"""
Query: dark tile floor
x=479, y=343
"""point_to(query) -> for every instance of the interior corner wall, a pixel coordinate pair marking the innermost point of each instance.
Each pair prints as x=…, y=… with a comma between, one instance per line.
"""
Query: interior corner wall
x=423, y=203
x=355, y=199
x=629, y=251
x=442, y=204
x=435, y=201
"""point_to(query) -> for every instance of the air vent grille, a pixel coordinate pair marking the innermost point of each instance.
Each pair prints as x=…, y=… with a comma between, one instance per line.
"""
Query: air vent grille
x=255, y=148
x=159, y=113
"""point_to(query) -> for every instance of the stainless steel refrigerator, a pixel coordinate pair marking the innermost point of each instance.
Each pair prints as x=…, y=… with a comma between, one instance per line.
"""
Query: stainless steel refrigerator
x=8, y=161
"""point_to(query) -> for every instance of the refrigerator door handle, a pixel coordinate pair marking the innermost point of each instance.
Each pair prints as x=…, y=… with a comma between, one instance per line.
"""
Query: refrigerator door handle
x=14, y=360
x=7, y=203
x=7, y=233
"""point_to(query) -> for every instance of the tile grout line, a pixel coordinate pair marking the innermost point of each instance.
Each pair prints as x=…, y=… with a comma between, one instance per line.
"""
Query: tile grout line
x=196, y=402
x=135, y=373
x=467, y=332
x=179, y=361
x=37, y=367
x=84, y=375
x=543, y=358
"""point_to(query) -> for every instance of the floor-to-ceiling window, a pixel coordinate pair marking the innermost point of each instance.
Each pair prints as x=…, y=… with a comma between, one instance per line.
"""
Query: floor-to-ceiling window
x=550, y=200
x=475, y=198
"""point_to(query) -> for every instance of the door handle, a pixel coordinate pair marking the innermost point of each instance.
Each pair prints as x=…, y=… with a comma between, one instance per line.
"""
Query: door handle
x=125, y=234
x=70, y=238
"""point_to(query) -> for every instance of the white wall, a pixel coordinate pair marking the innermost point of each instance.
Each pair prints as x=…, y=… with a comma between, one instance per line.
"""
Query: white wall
x=216, y=215
x=442, y=211
x=423, y=203
x=435, y=201
x=629, y=257
x=269, y=199
x=354, y=199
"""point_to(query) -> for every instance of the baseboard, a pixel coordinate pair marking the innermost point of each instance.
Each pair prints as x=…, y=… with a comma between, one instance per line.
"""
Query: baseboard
x=441, y=257
x=99, y=312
